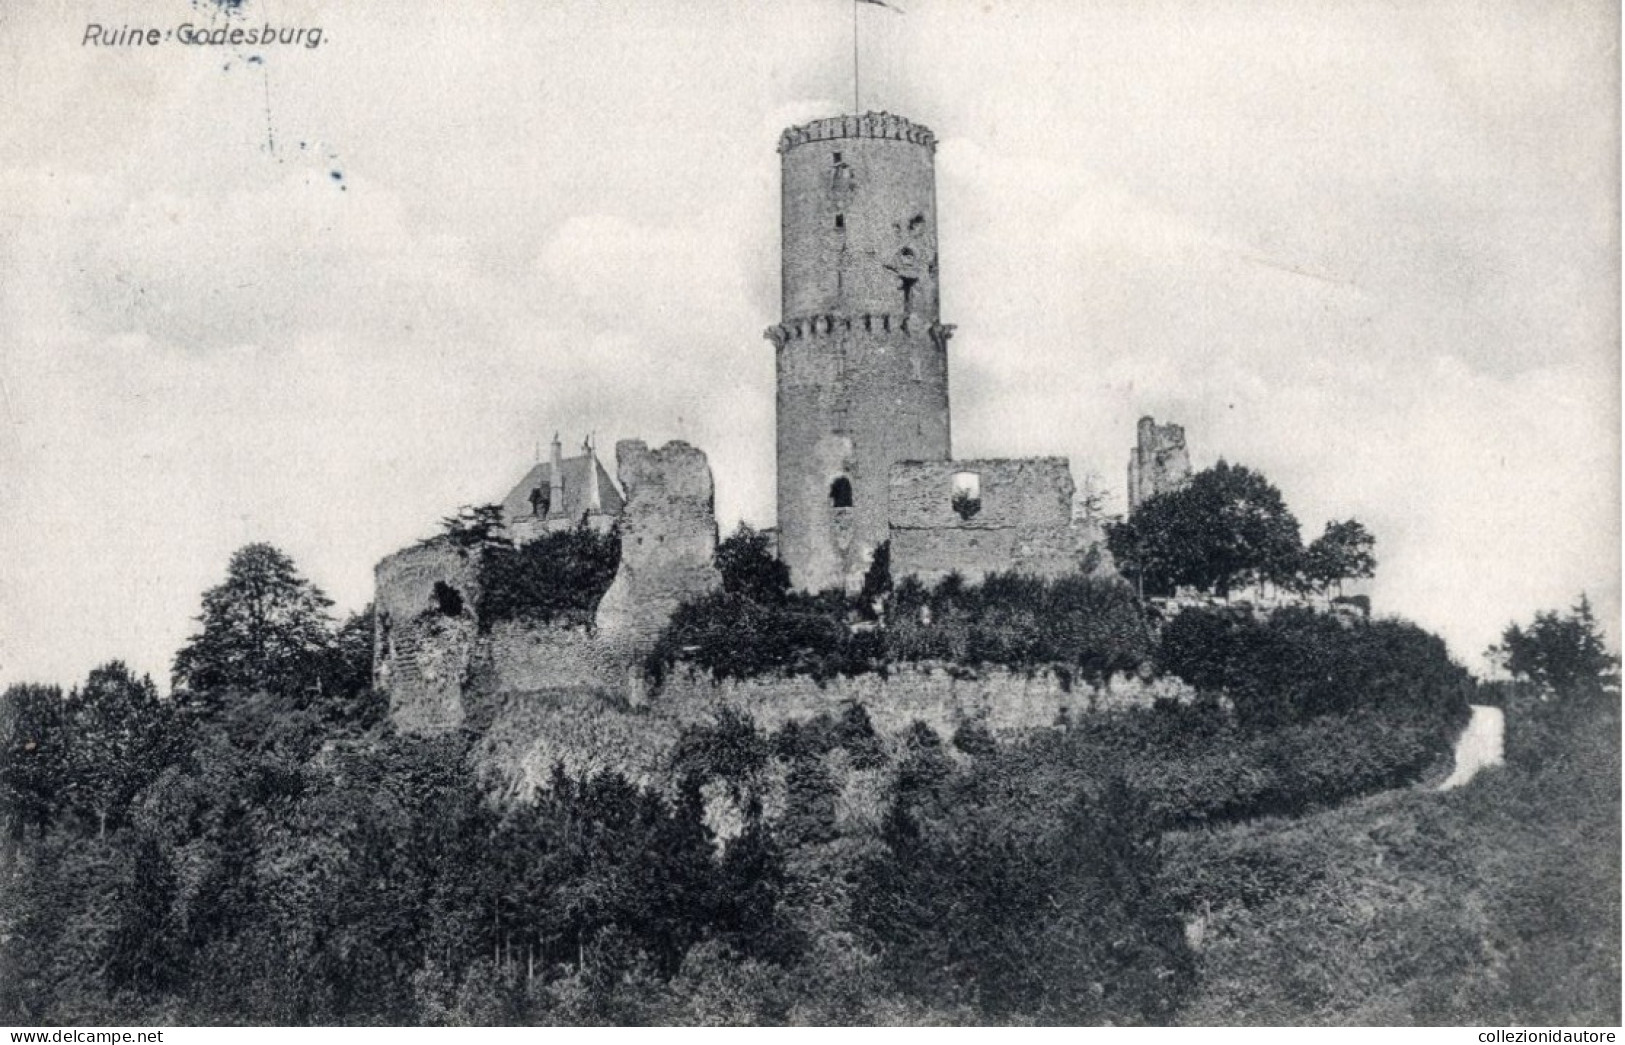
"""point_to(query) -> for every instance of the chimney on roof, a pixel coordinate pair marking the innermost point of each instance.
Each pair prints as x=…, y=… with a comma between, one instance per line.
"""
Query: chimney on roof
x=594, y=500
x=555, y=480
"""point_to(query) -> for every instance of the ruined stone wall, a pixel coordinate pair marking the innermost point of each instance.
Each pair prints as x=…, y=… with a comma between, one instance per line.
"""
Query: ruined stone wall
x=421, y=651
x=591, y=729
x=668, y=544
x=517, y=655
x=432, y=663
x=1159, y=462
x=1023, y=521
x=525, y=529
x=938, y=695
x=860, y=354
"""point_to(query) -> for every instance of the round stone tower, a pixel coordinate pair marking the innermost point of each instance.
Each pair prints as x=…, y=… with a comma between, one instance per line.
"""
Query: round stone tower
x=861, y=355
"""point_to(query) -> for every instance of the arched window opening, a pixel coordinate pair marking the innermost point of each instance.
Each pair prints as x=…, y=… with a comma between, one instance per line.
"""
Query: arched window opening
x=967, y=494
x=840, y=493
x=448, y=600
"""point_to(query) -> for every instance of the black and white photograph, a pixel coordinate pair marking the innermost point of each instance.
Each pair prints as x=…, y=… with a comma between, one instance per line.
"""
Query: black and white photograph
x=810, y=513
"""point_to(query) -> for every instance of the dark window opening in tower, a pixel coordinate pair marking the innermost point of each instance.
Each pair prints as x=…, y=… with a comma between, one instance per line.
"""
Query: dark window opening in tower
x=840, y=221
x=840, y=493
x=907, y=253
x=915, y=222
x=837, y=157
x=908, y=291
x=448, y=600
x=967, y=494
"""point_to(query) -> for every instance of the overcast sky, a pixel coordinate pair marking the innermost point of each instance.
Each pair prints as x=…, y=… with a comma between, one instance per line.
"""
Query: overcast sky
x=321, y=297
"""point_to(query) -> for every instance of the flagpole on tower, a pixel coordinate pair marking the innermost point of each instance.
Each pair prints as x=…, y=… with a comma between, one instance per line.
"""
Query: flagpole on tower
x=857, y=101
x=856, y=109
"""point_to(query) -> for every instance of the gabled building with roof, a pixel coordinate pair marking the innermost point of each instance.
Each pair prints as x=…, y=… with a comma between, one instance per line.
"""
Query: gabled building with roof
x=561, y=493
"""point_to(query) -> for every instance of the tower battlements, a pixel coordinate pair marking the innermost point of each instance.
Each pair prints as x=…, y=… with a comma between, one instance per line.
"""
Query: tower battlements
x=826, y=326
x=869, y=125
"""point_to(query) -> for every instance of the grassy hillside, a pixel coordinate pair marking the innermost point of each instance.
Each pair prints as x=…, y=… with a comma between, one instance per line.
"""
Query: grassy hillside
x=1498, y=903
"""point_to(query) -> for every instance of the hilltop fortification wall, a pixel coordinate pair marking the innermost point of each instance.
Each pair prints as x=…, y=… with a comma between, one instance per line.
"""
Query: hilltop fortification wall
x=589, y=730
x=425, y=633
x=433, y=655
x=1009, y=515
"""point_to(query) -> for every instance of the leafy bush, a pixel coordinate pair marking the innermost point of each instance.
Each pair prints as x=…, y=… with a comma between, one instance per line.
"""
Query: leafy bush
x=560, y=576
x=733, y=636
x=822, y=734
x=750, y=569
x=1088, y=625
x=1298, y=664
x=730, y=749
x=974, y=738
x=1092, y=625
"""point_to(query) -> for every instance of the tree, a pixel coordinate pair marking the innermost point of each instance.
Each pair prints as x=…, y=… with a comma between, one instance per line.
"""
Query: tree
x=1565, y=655
x=474, y=526
x=749, y=567
x=266, y=627
x=1225, y=527
x=33, y=740
x=877, y=580
x=1341, y=553
x=120, y=737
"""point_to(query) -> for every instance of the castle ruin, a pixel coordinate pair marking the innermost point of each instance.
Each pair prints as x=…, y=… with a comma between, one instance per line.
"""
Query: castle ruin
x=864, y=458
x=1158, y=463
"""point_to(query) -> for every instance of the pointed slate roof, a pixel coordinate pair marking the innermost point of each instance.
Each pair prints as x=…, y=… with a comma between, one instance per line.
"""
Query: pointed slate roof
x=517, y=504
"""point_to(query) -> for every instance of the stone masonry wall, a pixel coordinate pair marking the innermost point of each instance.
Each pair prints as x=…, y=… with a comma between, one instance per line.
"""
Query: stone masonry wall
x=590, y=730
x=668, y=544
x=516, y=656
x=422, y=652
x=941, y=697
x=1159, y=462
x=1024, y=522
x=432, y=662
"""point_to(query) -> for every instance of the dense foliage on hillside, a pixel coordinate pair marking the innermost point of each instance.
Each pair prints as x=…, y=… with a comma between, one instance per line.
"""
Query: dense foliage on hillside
x=276, y=854
x=1087, y=626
